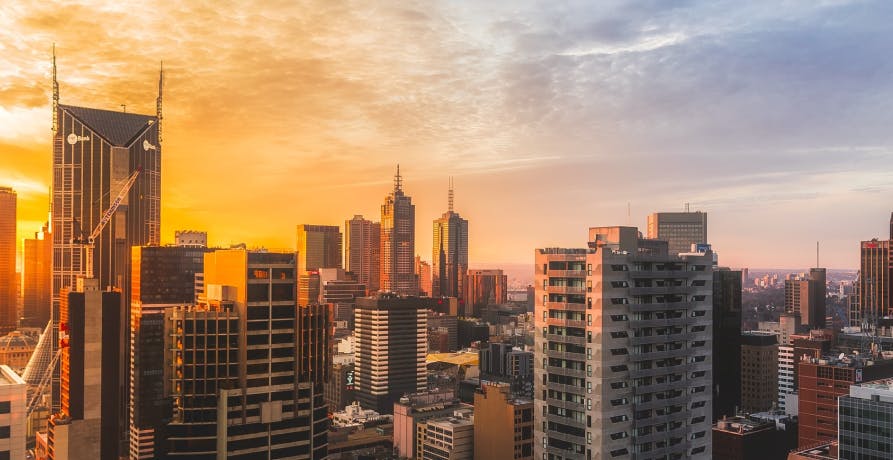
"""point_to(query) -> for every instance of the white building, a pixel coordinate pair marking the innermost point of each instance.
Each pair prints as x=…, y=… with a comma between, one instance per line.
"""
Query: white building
x=12, y=414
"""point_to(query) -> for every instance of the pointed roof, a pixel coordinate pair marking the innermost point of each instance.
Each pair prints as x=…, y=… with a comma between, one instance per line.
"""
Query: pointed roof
x=118, y=128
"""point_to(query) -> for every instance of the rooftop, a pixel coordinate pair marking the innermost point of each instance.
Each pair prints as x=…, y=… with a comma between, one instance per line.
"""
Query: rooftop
x=9, y=376
x=118, y=128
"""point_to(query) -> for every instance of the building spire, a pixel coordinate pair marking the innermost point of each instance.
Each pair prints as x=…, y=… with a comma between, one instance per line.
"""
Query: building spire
x=55, y=94
x=398, y=181
x=450, y=195
x=158, y=100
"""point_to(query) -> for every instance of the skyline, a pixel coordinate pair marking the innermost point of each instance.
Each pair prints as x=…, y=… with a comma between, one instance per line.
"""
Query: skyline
x=524, y=106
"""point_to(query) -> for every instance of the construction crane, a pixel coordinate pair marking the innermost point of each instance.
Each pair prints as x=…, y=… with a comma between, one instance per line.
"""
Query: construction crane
x=88, y=242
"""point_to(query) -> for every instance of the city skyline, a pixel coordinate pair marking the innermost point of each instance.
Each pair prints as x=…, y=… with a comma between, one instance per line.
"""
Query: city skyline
x=525, y=106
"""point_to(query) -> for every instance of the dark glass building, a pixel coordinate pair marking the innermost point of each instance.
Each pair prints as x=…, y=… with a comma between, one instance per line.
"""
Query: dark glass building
x=726, y=342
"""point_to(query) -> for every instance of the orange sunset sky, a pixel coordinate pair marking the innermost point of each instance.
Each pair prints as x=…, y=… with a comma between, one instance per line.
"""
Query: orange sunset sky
x=551, y=117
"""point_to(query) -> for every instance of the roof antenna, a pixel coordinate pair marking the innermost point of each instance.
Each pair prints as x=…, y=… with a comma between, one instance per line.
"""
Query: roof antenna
x=124, y=108
x=686, y=207
x=450, y=195
x=55, y=94
x=398, y=181
x=817, y=254
x=628, y=214
x=158, y=100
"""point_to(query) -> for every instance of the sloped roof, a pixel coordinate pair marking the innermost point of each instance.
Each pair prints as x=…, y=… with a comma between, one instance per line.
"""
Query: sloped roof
x=118, y=128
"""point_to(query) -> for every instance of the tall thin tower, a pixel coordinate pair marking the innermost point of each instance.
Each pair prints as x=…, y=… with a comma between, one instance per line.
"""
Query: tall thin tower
x=449, y=260
x=397, y=248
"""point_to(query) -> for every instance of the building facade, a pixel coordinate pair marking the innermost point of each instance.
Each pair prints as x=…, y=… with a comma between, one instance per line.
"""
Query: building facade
x=449, y=254
x=759, y=371
x=679, y=229
x=423, y=273
x=864, y=421
x=726, y=342
x=806, y=296
x=397, y=249
x=623, y=350
x=361, y=256
x=8, y=294
x=319, y=246
x=875, y=274
x=37, y=260
x=13, y=393
x=485, y=287
x=503, y=425
x=450, y=437
x=390, y=350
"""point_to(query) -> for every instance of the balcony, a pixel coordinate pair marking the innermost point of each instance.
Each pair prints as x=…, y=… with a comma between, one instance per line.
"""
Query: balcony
x=684, y=336
x=566, y=273
x=652, y=355
x=565, y=289
x=564, y=322
x=566, y=355
x=565, y=420
x=659, y=322
x=565, y=306
x=675, y=274
x=643, y=307
x=565, y=404
x=565, y=388
x=566, y=371
x=576, y=340
x=659, y=290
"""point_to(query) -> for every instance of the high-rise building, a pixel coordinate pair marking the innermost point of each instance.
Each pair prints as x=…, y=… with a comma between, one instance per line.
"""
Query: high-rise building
x=276, y=405
x=821, y=382
x=162, y=277
x=94, y=153
x=12, y=413
x=319, y=246
x=876, y=273
x=726, y=342
x=679, y=229
x=339, y=388
x=37, y=259
x=622, y=349
x=362, y=256
x=503, y=425
x=397, y=247
x=806, y=296
x=391, y=346
x=449, y=255
x=308, y=287
x=8, y=295
x=484, y=287
x=423, y=273
x=864, y=419
x=759, y=371
x=88, y=424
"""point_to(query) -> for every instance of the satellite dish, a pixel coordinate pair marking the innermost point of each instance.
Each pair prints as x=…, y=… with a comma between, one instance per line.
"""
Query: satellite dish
x=841, y=356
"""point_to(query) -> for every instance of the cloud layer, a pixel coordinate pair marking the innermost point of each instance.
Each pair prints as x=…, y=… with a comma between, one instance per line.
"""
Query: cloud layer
x=552, y=117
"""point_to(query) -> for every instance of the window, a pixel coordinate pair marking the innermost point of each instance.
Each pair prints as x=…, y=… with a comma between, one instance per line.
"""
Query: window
x=4, y=407
x=4, y=432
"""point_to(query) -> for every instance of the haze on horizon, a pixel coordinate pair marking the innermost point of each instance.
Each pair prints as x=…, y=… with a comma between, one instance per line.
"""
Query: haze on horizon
x=773, y=118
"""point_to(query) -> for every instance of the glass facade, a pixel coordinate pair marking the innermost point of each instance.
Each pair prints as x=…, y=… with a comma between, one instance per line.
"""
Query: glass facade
x=865, y=428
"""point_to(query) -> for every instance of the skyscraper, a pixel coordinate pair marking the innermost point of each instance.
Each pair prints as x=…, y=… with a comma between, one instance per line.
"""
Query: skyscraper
x=8, y=295
x=319, y=246
x=485, y=287
x=423, y=272
x=806, y=296
x=94, y=153
x=449, y=256
x=679, y=229
x=398, y=242
x=726, y=342
x=876, y=273
x=37, y=259
x=362, y=257
x=759, y=371
x=622, y=354
x=391, y=345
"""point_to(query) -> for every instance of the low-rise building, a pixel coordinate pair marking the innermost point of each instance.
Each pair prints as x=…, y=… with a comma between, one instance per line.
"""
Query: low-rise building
x=505, y=422
x=451, y=437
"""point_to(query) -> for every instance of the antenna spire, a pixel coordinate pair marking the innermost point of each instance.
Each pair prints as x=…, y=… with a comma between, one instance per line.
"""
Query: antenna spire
x=158, y=100
x=450, y=195
x=398, y=181
x=55, y=94
x=817, y=254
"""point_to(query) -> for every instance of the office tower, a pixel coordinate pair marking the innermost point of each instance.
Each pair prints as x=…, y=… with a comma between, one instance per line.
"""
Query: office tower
x=411, y=413
x=450, y=437
x=759, y=371
x=821, y=382
x=88, y=424
x=865, y=414
x=308, y=287
x=12, y=413
x=679, y=229
x=276, y=404
x=37, y=267
x=95, y=152
x=391, y=345
x=806, y=296
x=876, y=272
x=443, y=332
x=503, y=425
x=341, y=290
x=319, y=246
x=162, y=277
x=423, y=273
x=397, y=247
x=8, y=298
x=726, y=342
x=750, y=437
x=503, y=363
x=484, y=287
x=449, y=256
x=191, y=238
x=339, y=388
x=622, y=349
x=362, y=256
